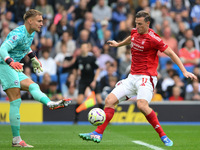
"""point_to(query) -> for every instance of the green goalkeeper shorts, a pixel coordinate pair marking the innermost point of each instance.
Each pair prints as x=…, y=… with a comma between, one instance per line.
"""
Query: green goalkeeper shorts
x=9, y=78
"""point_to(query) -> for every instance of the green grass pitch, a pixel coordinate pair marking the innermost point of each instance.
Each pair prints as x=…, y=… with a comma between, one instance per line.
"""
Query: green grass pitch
x=116, y=137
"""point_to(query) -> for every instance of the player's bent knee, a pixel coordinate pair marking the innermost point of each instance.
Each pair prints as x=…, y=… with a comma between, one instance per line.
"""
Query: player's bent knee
x=34, y=86
x=111, y=101
x=142, y=105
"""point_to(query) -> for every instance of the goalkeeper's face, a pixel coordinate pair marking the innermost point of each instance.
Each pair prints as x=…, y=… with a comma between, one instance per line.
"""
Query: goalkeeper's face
x=36, y=23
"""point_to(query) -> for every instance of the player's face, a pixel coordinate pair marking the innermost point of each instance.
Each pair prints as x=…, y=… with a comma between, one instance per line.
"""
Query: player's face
x=36, y=23
x=142, y=26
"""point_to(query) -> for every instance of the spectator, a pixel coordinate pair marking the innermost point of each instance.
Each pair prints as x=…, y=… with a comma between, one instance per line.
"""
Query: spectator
x=195, y=14
x=71, y=88
x=46, y=79
x=156, y=96
x=53, y=93
x=172, y=42
x=169, y=40
x=48, y=63
x=69, y=5
x=142, y=4
x=60, y=13
x=124, y=29
x=101, y=58
x=159, y=21
x=179, y=7
x=89, y=24
x=80, y=10
x=189, y=55
x=107, y=89
x=59, y=58
x=177, y=82
x=101, y=11
x=168, y=81
x=118, y=15
x=156, y=10
x=182, y=27
x=3, y=7
x=195, y=93
x=8, y=17
x=46, y=9
x=21, y=9
x=164, y=71
x=84, y=37
x=176, y=94
x=50, y=34
x=63, y=26
x=196, y=71
x=4, y=34
x=110, y=71
x=67, y=40
x=188, y=35
x=124, y=64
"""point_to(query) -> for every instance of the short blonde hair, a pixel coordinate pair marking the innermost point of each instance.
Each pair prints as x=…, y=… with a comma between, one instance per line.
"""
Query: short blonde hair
x=31, y=13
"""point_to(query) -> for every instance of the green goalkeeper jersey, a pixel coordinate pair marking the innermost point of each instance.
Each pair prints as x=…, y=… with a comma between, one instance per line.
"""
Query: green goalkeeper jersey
x=18, y=42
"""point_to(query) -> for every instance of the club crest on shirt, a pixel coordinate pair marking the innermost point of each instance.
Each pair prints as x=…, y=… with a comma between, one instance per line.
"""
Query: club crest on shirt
x=14, y=37
x=16, y=82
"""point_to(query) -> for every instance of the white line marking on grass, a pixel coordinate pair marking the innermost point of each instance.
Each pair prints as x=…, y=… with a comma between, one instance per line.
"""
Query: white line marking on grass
x=147, y=145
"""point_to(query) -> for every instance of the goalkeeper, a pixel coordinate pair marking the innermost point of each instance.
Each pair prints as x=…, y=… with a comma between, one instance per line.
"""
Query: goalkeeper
x=14, y=48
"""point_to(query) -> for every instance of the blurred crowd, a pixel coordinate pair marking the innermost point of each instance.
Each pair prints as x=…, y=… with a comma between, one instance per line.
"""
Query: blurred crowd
x=69, y=23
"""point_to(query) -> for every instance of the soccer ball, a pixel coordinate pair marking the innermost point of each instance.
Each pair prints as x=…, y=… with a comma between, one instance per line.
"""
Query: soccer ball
x=96, y=116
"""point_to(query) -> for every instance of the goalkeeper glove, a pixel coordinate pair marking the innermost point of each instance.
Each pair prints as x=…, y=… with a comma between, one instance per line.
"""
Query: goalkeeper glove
x=35, y=63
x=15, y=65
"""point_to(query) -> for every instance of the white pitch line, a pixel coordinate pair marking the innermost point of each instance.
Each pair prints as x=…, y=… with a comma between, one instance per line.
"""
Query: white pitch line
x=147, y=145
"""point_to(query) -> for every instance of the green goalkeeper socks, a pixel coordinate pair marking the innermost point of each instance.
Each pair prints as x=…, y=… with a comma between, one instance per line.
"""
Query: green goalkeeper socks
x=14, y=117
x=37, y=94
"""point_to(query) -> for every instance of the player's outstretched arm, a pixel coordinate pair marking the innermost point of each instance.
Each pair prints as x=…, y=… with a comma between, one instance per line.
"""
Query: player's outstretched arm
x=4, y=49
x=177, y=60
x=35, y=62
x=113, y=43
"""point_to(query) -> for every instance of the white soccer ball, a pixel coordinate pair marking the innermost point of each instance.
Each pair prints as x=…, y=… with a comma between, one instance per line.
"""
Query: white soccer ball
x=96, y=116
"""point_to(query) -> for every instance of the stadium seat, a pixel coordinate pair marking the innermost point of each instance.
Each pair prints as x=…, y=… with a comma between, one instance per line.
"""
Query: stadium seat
x=63, y=78
x=163, y=61
x=53, y=78
x=34, y=77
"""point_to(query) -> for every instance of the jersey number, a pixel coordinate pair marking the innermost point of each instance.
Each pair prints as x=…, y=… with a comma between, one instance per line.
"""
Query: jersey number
x=144, y=80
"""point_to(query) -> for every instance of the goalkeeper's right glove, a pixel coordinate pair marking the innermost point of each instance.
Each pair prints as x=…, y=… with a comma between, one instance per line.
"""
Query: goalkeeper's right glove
x=15, y=65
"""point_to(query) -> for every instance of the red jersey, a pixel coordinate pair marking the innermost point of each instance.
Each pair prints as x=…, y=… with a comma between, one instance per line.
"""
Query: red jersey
x=144, y=48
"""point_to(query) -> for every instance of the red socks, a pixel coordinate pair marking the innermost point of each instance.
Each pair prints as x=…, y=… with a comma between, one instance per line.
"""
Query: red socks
x=109, y=114
x=153, y=120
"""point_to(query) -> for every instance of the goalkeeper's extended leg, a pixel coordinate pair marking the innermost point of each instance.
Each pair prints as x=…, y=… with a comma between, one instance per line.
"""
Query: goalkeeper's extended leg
x=41, y=97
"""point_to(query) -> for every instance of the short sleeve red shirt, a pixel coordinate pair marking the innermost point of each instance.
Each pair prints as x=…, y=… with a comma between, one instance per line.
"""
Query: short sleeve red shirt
x=144, y=48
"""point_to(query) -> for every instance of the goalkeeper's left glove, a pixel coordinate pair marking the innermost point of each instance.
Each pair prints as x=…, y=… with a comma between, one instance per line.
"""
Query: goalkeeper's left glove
x=35, y=63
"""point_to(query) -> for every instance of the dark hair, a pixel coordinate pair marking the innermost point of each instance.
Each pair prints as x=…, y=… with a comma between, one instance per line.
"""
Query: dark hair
x=144, y=14
x=53, y=83
x=31, y=13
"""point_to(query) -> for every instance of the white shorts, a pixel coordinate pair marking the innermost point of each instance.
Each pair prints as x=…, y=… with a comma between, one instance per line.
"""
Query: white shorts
x=141, y=86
